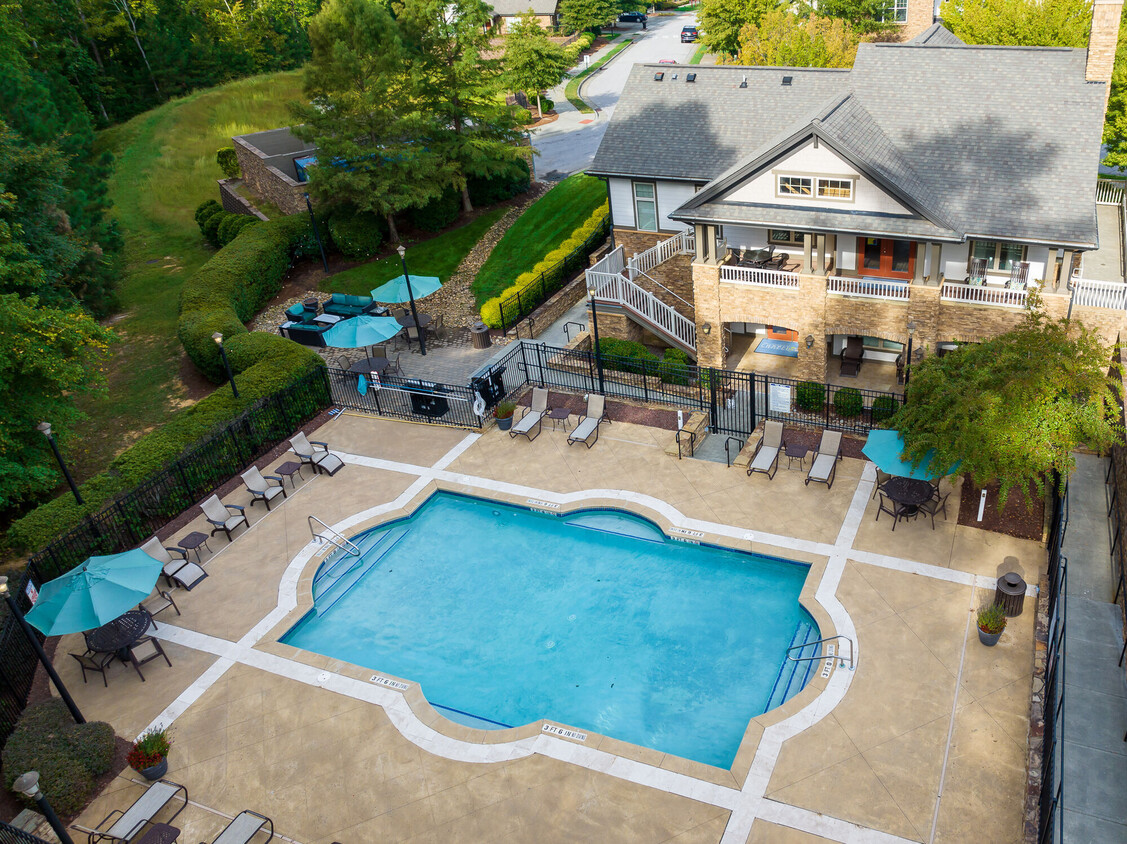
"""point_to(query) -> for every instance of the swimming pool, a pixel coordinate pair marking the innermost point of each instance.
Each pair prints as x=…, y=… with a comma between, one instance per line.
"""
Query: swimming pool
x=595, y=619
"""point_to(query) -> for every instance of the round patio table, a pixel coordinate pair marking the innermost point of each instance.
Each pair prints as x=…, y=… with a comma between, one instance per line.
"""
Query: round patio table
x=117, y=636
x=408, y=321
x=377, y=365
x=909, y=492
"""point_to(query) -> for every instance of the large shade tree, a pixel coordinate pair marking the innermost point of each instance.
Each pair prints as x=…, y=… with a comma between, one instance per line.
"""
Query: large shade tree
x=1013, y=408
x=722, y=20
x=1020, y=23
x=782, y=38
x=532, y=61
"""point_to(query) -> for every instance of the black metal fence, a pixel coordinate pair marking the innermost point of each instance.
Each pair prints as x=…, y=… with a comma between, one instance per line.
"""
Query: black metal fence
x=1051, y=817
x=406, y=398
x=14, y=835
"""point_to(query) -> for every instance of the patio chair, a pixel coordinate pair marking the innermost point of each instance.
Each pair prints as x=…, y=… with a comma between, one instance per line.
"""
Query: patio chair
x=933, y=506
x=185, y=575
x=162, y=553
x=976, y=272
x=533, y=417
x=438, y=327
x=412, y=335
x=145, y=650
x=882, y=477
x=244, y=827
x=1019, y=275
x=159, y=603
x=823, y=468
x=96, y=662
x=897, y=511
x=306, y=451
x=393, y=366
x=766, y=457
x=259, y=487
x=220, y=516
x=587, y=430
x=128, y=824
x=852, y=355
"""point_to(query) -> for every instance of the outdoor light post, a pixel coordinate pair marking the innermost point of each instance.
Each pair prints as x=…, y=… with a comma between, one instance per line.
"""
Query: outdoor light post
x=411, y=295
x=317, y=233
x=908, y=363
x=28, y=785
x=218, y=338
x=45, y=429
x=592, y=289
x=13, y=607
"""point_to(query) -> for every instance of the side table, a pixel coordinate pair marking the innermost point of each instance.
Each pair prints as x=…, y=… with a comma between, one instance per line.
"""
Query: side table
x=559, y=414
x=193, y=541
x=288, y=470
x=159, y=833
x=795, y=452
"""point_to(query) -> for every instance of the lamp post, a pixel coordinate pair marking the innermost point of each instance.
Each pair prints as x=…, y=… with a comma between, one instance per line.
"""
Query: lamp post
x=908, y=363
x=45, y=429
x=592, y=289
x=317, y=233
x=28, y=785
x=411, y=295
x=218, y=338
x=13, y=607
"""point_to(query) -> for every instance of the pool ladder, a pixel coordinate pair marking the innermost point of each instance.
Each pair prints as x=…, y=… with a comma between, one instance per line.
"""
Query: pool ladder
x=838, y=657
x=332, y=537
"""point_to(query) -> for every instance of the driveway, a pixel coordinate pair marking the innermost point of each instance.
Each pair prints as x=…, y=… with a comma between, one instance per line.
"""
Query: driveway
x=568, y=146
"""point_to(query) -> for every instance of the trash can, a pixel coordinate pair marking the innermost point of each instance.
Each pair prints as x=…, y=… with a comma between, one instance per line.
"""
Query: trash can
x=1010, y=593
x=479, y=331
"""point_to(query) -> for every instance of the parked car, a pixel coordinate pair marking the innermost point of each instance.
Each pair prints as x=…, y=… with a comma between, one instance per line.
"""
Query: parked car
x=632, y=17
x=689, y=33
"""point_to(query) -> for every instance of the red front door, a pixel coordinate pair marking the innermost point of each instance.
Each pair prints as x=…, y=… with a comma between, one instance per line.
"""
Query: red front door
x=886, y=258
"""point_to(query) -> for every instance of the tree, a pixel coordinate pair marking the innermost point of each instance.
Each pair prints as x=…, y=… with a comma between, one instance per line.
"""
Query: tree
x=866, y=16
x=1115, y=124
x=1023, y=23
x=785, y=39
x=722, y=20
x=583, y=15
x=532, y=62
x=1015, y=407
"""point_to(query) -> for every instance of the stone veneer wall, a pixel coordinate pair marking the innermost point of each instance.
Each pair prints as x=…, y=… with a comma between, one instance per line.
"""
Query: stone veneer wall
x=231, y=201
x=269, y=182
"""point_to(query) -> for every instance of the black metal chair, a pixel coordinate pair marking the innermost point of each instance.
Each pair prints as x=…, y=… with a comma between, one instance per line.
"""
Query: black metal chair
x=159, y=603
x=96, y=662
x=933, y=506
x=145, y=650
x=897, y=511
x=882, y=479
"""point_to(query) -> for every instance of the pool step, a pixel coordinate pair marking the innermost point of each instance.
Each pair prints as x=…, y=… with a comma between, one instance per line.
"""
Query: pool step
x=793, y=674
x=339, y=578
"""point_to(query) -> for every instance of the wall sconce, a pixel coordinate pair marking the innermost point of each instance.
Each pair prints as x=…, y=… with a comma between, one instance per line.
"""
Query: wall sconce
x=810, y=341
x=706, y=328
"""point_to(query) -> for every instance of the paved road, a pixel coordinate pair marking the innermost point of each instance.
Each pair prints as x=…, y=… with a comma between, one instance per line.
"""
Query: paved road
x=568, y=146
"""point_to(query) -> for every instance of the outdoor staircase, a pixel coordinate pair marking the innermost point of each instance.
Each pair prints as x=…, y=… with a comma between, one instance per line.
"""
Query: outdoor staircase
x=341, y=571
x=793, y=674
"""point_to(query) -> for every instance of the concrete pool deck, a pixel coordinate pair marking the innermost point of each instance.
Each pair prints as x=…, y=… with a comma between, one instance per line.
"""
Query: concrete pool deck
x=331, y=756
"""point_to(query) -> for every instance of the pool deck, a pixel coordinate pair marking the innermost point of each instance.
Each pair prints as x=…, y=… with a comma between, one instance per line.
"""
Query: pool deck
x=925, y=741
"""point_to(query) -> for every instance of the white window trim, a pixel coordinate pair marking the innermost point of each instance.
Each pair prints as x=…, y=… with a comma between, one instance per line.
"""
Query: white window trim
x=815, y=182
x=637, y=218
x=998, y=244
x=779, y=192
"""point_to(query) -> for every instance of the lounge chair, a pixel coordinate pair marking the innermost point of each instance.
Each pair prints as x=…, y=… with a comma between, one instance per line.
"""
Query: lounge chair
x=219, y=515
x=587, y=430
x=162, y=553
x=146, y=650
x=259, y=487
x=766, y=457
x=306, y=451
x=96, y=662
x=244, y=827
x=128, y=824
x=533, y=417
x=186, y=575
x=159, y=603
x=823, y=468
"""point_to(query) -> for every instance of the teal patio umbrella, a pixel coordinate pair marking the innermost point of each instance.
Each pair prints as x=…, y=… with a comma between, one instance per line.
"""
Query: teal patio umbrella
x=94, y=593
x=396, y=290
x=358, y=332
x=885, y=447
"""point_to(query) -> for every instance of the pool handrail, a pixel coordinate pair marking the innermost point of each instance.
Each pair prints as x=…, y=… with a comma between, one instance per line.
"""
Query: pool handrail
x=332, y=537
x=839, y=657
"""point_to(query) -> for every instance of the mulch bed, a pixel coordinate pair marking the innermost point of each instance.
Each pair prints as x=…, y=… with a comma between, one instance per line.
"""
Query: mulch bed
x=1015, y=519
x=850, y=446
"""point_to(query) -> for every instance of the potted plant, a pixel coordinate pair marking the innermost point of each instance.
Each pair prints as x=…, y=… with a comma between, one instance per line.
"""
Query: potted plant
x=149, y=754
x=991, y=623
x=503, y=413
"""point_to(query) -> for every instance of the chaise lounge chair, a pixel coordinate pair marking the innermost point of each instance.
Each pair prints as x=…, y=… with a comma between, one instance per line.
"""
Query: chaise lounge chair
x=128, y=824
x=533, y=417
x=244, y=827
x=220, y=516
x=306, y=451
x=823, y=468
x=258, y=486
x=766, y=457
x=587, y=431
x=177, y=570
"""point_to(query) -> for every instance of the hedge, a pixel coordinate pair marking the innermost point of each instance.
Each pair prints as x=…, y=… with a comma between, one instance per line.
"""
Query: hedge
x=884, y=407
x=848, y=402
x=811, y=396
x=673, y=367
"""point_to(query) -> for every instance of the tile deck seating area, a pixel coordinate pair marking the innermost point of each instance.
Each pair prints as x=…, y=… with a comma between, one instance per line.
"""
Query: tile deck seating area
x=330, y=756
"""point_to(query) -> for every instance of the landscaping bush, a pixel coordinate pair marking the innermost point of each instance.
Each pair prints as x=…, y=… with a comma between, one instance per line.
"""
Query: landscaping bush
x=206, y=209
x=357, y=234
x=811, y=396
x=232, y=225
x=572, y=50
x=490, y=191
x=848, y=402
x=675, y=367
x=439, y=213
x=228, y=162
x=883, y=409
x=211, y=224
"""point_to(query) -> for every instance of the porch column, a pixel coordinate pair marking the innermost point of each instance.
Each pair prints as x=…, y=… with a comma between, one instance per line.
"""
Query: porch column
x=830, y=261
x=937, y=263
x=921, y=251
x=820, y=269
x=837, y=256
x=1066, y=269
x=1050, y=275
x=807, y=258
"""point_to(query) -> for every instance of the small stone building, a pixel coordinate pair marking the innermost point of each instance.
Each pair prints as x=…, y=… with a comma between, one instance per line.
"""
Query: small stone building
x=267, y=160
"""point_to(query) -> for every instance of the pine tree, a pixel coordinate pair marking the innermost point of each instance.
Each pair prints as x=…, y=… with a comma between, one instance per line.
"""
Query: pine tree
x=532, y=61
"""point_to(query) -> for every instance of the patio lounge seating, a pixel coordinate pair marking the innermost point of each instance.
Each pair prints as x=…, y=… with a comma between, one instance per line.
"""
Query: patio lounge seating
x=306, y=451
x=976, y=272
x=244, y=827
x=1019, y=275
x=96, y=662
x=852, y=355
x=221, y=518
x=259, y=487
x=186, y=575
x=146, y=650
x=533, y=417
x=344, y=305
x=162, y=553
x=823, y=468
x=128, y=824
x=587, y=431
x=766, y=457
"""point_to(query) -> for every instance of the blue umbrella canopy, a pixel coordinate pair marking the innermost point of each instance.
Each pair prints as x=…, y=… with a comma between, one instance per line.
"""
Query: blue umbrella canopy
x=360, y=331
x=396, y=289
x=885, y=449
x=95, y=593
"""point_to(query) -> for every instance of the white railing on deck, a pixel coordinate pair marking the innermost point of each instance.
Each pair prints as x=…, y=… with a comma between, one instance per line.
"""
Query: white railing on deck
x=611, y=263
x=752, y=275
x=679, y=244
x=1109, y=191
x=983, y=295
x=621, y=291
x=1099, y=294
x=868, y=288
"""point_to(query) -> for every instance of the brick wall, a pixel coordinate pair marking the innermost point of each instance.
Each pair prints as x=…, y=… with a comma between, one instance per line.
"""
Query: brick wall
x=1102, y=41
x=920, y=15
x=231, y=201
x=269, y=182
x=634, y=242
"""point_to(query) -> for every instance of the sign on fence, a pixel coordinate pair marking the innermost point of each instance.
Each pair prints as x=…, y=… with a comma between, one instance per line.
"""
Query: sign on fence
x=779, y=398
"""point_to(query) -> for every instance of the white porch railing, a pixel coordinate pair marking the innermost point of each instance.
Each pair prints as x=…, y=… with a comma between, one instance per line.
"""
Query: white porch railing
x=1099, y=294
x=868, y=288
x=1109, y=191
x=612, y=262
x=983, y=295
x=679, y=244
x=621, y=291
x=763, y=278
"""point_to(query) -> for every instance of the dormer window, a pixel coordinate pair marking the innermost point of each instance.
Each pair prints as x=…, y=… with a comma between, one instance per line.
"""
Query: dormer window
x=837, y=188
x=796, y=186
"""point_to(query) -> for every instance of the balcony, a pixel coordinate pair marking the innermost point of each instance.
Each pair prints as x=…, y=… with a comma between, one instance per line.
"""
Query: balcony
x=983, y=294
x=868, y=288
x=758, y=276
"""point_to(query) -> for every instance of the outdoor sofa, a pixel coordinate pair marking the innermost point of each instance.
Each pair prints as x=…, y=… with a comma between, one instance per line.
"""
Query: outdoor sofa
x=344, y=305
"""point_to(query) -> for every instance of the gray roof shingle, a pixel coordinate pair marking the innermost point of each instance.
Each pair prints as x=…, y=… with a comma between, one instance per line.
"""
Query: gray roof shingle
x=937, y=35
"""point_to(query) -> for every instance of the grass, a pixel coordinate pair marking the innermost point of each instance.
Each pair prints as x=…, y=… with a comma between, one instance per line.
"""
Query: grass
x=572, y=89
x=165, y=168
x=699, y=55
x=439, y=256
x=546, y=224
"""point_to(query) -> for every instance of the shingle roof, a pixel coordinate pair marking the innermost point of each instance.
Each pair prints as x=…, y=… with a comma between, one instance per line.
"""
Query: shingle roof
x=512, y=8
x=937, y=35
x=991, y=141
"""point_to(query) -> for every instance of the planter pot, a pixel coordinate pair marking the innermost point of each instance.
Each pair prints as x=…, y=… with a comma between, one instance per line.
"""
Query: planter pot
x=505, y=424
x=156, y=771
x=988, y=639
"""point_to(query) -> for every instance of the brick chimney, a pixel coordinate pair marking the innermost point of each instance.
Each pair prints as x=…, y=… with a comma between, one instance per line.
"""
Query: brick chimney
x=1102, y=41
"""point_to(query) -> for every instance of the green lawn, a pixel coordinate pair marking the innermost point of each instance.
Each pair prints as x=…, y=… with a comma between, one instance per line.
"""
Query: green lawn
x=165, y=167
x=438, y=256
x=546, y=224
x=699, y=55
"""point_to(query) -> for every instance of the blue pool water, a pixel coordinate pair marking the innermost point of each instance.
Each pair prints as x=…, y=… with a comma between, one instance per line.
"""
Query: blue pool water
x=594, y=619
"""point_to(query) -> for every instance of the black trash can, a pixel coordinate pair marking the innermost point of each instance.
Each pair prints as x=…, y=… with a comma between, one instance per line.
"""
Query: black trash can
x=479, y=332
x=1010, y=593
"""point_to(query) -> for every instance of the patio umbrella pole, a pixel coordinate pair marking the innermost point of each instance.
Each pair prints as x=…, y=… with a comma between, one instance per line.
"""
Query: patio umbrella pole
x=39, y=652
x=411, y=296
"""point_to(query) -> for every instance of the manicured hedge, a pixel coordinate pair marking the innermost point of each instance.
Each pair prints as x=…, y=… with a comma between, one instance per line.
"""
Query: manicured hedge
x=357, y=234
x=848, y=402
x=811, y=396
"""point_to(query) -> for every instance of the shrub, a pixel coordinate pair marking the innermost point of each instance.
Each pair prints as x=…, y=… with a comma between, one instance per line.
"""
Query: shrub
x=883, y=409
x=228, y=162
x=491, y=190
x=811, y=396
x=232, y=225
x=675, y=367
x=211, y=224
x=848, y=402
x=439, y=213
x=992, y=618
x=357, y=234
x=206, y=209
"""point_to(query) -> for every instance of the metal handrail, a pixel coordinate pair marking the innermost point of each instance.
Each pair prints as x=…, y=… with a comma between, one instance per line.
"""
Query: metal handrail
x=692, y=441
x=332, y=537
x=728, y=453
x=582, y=326
x=839, y=657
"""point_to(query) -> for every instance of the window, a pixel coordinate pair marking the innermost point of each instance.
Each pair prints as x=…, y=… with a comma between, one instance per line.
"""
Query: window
x=835, y=188
x=881, y=345
x=896, y=11
x=645, y=206
x=784, y=236
x=796, y=186
x=823, y=187
x=999, y=256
